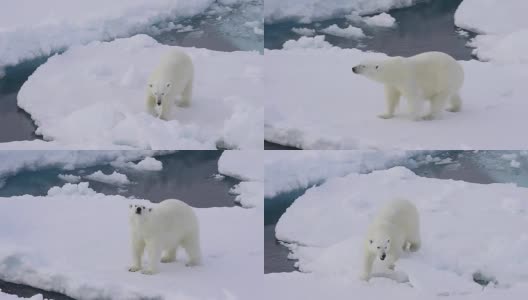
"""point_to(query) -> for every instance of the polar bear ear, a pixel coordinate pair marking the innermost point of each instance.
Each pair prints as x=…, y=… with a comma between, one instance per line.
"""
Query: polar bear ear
x=377, y=67
x=388, y=241
x=150, y=85
x=150, y=209
x=130, y=206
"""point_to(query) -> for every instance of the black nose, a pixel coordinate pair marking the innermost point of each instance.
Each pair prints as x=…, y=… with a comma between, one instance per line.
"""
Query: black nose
x=354, y=69
x=138, y=210
x=382, y=257
x=158, y=103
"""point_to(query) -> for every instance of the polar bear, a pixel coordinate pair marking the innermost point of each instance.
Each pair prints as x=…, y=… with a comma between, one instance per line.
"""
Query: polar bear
x=164, y=227
x=432, y=76
x=395, y=229
x=172, y=78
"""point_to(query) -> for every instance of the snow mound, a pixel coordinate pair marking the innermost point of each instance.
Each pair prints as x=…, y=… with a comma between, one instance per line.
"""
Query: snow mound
x=290, y=170
x=105, y=81
x=147, y=164
x=347, y=32
x=242, y=165
x=340, y=109
x=33, y=28
x=4, y=296
x=491, y=16
x=503, y=25
x=114, y=178
x=246, y=166
x=307, y=11
x=69, y=178
x=304, y=31
x=250, y=194
x=306, y=42
x=57, y=252
x=381, y=20
x=72, y=189
x=330, y=222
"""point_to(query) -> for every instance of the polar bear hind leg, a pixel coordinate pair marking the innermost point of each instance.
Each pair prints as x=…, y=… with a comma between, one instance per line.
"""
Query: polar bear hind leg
x=169, y=255
x=186, y=95
x=437, y=104
x=456, y=103
x=191, y=244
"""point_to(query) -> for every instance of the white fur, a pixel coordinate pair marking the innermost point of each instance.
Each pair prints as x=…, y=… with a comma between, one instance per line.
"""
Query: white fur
x=395, y=229
x=172, y=79
x=430, y=76
x=164, y=227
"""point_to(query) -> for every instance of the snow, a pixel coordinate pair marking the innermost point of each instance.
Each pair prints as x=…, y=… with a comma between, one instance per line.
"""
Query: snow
x=307, y=11
x=327, y=225
x=347, y=32
x=381, y=20
x=290, y=170
x=81, y=249
x=339, y=109
x=71, y=189
x=69, y=178
x=114, y=178
x=305, y=42
x=105, y=81
x=33, y=28
x=147, y=164
x=304, y=31
x=242, y=165
x=14, y=162
x=503, y=25
x=246, y=166
x=4, y=296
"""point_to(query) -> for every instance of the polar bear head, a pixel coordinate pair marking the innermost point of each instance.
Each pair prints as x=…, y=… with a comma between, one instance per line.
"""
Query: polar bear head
x=383, y=71
x=138, y=213
x=379, y=244
x=159, y=90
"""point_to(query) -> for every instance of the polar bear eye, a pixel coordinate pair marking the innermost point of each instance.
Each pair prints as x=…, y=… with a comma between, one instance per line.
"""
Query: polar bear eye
x=370, y=241
x=379, y=247
x=168, y=84
x=150, y=85
x=388, y=241
x=377, y=67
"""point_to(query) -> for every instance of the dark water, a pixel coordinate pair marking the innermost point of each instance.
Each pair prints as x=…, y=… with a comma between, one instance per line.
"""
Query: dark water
x=186, y=175
x=217, y=29
x=27, y=291
x=477, y=167
x=273, y=146
x=426, y=26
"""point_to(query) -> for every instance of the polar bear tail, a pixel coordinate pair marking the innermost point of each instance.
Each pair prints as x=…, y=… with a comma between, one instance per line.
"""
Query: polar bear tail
x=456, y=103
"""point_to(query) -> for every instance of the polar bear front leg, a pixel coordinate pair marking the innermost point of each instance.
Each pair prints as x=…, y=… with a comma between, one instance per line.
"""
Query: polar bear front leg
x=154, y=255
x=390, y=261
x=368, y=260
x=170, y=255
x=186, y=95
x=138, y=246
x=151, y=104
x=456, y=103
x=415, y=107
x=165, y=109
x=392, y=97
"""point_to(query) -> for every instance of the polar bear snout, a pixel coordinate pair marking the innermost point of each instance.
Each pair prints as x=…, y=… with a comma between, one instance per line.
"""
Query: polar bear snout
x=138, y=210
x=355, y=69
x=383, y=256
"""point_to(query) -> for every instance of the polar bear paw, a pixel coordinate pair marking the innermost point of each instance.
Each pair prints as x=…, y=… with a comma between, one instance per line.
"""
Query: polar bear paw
x=386, y=116
x=134, y=269
x=192, y=264
x=364, y=277
x=428, y=117
x=167, y=259
x=148, y=272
